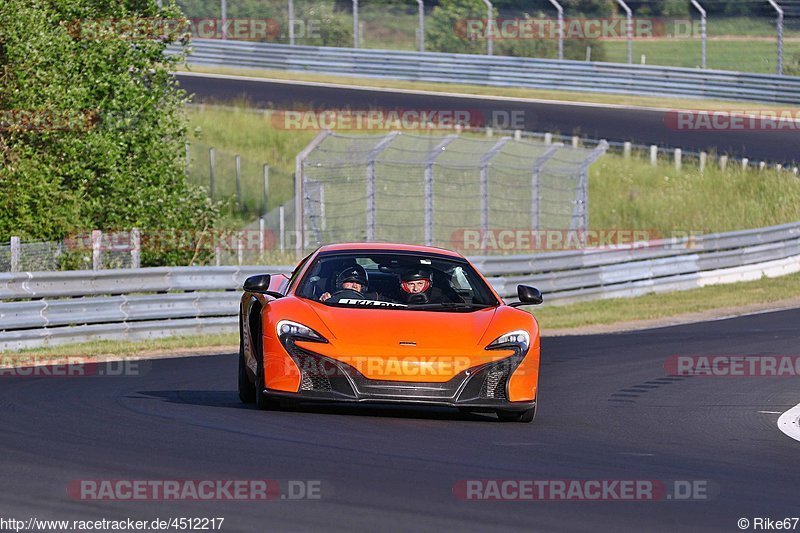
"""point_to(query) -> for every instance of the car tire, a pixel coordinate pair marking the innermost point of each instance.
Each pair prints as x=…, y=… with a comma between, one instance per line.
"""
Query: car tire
x=247, y=389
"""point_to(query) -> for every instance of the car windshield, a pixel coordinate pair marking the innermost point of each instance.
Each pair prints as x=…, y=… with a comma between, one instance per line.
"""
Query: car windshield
x=395, y=280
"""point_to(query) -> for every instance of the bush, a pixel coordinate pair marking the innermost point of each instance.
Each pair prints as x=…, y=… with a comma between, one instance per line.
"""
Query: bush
x=107, y=152
x=448, y=31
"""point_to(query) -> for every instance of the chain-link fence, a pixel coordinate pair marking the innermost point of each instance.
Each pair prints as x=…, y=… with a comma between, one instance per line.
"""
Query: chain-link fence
x=440, y=190
x=238, y=181
x=95, y=250
x=742, y=35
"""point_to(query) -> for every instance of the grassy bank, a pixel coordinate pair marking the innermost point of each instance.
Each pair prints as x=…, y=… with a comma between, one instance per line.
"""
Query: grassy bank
x=746, y=55
x=629, y=194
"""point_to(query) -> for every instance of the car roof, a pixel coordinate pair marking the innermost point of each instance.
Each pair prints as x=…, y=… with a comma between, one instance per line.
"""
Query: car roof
x=386, y=247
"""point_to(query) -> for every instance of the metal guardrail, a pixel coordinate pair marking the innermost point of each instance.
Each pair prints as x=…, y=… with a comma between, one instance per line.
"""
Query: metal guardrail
x=38, y=308
x=501, y=71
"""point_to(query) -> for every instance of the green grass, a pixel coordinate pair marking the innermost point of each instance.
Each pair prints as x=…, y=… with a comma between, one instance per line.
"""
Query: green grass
x=392, y=27
x=250, y=134
x=654, y=306
x=633, y=194
x=742, y=55
x=227, y=341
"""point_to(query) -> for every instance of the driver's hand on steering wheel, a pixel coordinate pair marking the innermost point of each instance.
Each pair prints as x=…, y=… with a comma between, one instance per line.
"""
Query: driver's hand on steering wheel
x=325, y=296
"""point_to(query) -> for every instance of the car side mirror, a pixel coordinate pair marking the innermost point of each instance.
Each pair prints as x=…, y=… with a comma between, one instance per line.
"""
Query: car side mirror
x=260, y=284
x=528, y=296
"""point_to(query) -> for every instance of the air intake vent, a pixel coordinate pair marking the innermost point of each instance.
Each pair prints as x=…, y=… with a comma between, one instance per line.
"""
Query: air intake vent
x=315, y=382
x=494, y=384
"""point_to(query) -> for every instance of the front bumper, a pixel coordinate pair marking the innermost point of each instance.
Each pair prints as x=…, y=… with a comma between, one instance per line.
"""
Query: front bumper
x=483, y=387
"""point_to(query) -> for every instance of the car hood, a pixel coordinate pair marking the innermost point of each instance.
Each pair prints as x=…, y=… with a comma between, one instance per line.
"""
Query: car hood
x=441, y=344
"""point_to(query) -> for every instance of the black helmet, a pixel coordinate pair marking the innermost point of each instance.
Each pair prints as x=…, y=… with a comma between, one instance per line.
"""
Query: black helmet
x=415, y=274
x=355, y=273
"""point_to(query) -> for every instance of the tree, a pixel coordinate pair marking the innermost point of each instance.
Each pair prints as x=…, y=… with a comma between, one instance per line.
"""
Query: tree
x=94, y=122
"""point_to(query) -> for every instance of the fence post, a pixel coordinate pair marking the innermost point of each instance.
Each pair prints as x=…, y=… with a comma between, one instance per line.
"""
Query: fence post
x=490, y=23
x=628, y=28
x=291, y=22
x=421, y=30
x=281, y=228
x=224, y=12
x=428, y=185
x=548, y=138
x=560, y=28
x=239, y=248
x=211, y=164
x=373, y=155
x=97, y=255
x=535, y=188
x=136, y=248
x=703, y=157
x=355, y=23
x=744, y=163
x=238, y=161
x=677, y=156
x=484, y=181
x=779, y=31
x=262, y=245
x=723, y=162
x=576, y=141
x=653, y=154
x=266, y=189
x=703, y=37
x=582, y=219
x=299, y=190
x=15, y=254
x=626, y=150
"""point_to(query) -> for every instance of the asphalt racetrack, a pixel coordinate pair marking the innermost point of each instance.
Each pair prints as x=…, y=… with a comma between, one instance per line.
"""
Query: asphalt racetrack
x=640, y=125
x=609, y=411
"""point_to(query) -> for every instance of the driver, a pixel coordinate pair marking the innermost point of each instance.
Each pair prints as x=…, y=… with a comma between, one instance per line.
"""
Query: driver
x=417, y=288
x=352, y=282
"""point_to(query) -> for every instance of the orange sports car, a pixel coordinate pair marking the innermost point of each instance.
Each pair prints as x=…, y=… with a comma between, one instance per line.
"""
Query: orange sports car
x=388, y=323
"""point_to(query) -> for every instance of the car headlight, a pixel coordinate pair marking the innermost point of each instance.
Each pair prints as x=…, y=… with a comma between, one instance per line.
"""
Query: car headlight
x=286, y=329
x=519, y=339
